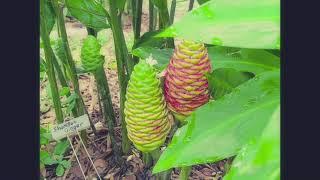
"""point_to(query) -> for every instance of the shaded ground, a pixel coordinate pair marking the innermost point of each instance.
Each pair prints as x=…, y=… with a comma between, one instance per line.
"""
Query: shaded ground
x=99, y=146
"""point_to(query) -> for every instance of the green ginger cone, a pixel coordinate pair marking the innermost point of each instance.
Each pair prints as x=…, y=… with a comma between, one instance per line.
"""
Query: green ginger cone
x=145, y=109
x=90, y=54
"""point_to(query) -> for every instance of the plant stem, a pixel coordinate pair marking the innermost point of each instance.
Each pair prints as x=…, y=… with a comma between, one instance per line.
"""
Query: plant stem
x=124, y=66
x=63, y=33
x=61, y=77
x=108, y=112
x=184, y=173
x=164, y=21
x=151, y=16
x=191, y=2
x=73, y=73
x=165, y=175
x=147, y=159
x=172, y=10
x=136, y=21
x=50, y=70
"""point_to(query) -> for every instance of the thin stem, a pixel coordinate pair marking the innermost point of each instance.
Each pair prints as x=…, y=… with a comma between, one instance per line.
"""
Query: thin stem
x=137, y=12
x=172, y=10
x=124, y=66
x=108, y=111
x=165, y=174
x=50, y=70
x=64, y=37
x=164, y=21
x=151, y=16
x=73, y=73
x=61, y=77
x=191, y=2
x=184, y=173
x=147, y=159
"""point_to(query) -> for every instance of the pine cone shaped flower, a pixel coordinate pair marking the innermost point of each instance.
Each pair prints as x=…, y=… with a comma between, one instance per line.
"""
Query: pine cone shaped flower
x=185, y=84
x=145, y=109
x=90, y=54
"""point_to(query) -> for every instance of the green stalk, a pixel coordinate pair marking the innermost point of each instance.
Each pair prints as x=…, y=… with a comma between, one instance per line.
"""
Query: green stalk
x=136, y=21
x=64, y=37
x=184, y=173
x=172, y=10
x=191, y=2
x=165, y=175
x=151, y=16
x=59, y=72
x=108, y=111
x=164, y=21
x=74, y=78
x=147, y=159
x=50, y=70
x=124, y=66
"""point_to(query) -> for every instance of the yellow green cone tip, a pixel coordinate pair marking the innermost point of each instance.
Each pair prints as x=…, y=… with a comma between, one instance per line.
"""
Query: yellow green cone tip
x=90, y=54
x=185, y=83
x=145, y=109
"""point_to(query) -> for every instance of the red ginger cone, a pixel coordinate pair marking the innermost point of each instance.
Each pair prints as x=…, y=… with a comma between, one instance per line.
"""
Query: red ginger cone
x=185, y=84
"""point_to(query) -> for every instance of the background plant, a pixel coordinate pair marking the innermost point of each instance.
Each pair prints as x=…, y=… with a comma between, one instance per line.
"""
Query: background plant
x=243, y=42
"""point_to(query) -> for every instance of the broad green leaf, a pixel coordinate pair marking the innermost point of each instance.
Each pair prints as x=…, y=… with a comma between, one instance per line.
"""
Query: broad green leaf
x=66, y=164
x=45, y=136
x=220, y=128
x=241, y=23
x=49, y=15
x=89, y=12
x=59, y=170
x=223, y=81
x=61, y=147
x=161, y=55
x=247, y=60
x=46, y=159
x=260, y=160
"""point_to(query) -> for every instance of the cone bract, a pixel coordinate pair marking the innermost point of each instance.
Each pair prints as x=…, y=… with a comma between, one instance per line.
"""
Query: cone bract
x=145, y=109
x=185, y=84
x=90, y=54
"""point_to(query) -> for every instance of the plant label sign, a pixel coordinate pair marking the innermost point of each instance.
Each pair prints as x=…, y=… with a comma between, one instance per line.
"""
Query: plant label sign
x=70, y=127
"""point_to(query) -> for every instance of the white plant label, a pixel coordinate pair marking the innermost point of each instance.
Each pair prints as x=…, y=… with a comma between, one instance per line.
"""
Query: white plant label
x=70, y=127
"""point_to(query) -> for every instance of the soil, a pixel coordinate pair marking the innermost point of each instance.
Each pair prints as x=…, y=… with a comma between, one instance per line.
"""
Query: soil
x=99, y=146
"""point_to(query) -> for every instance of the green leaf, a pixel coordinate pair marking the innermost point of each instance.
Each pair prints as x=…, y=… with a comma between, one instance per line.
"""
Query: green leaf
x=202, y=1
x=260, y=160
x=89, y=12
x=66, y=164
x=247, y=60
x=241, y=23
x=61, y=147
x=220, y=128
x=49, y=15
x=223, y=81
x=121, y=4
x=148, y=39
x=46, y=159
x=64, y=91
x=59, y=170
x=161, y=55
